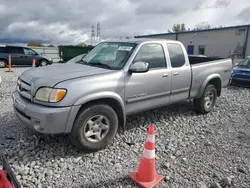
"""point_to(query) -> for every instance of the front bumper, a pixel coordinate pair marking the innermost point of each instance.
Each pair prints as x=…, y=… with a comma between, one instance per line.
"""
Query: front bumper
x=240, y=81
x=47, y=120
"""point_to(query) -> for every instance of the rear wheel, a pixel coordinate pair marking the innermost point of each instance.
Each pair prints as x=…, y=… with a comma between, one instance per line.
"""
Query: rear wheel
x=3, y=63
x=206, y=103
x=94, y=127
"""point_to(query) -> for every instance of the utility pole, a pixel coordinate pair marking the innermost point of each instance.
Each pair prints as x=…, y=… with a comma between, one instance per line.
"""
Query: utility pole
x=98, y=33
x=92, y=35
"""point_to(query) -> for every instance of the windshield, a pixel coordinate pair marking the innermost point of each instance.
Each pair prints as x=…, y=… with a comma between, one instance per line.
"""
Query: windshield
x=75, y=59
x=245, y=63
x=110, y=55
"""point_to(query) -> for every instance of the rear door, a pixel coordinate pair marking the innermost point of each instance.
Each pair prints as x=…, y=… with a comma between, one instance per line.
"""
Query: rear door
x=180, y=74
x=16, y=55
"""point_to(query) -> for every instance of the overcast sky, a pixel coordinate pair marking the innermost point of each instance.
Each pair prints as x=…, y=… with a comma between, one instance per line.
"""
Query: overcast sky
x=69, y=21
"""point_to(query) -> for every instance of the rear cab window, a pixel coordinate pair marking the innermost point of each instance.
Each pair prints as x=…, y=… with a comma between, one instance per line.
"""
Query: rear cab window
x=176, y=55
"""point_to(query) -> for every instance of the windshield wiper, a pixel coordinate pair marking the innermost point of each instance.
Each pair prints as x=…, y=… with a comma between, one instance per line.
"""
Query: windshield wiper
x=83, y=62
x=101, y=65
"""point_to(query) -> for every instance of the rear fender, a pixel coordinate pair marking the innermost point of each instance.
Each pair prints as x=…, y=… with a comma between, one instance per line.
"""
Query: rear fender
x=205, y=83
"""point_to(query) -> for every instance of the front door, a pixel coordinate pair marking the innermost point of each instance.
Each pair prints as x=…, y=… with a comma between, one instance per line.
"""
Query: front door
x=181, y=73
x=151, y=89
x=29, y=55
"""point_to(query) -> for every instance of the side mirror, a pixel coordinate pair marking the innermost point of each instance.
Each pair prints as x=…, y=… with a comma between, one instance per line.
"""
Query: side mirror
x=139, y=67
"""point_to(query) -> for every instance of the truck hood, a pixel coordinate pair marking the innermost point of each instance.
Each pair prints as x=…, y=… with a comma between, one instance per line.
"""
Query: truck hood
x=53, y=74
x=241, y=69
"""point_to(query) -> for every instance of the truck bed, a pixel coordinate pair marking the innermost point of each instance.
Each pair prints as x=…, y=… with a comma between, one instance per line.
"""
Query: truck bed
x=202, y=70
x=198, y=59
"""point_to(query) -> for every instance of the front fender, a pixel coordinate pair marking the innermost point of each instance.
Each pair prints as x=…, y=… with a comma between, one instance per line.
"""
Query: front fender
x=95, y=96
x=102, y=95
x=88, y=98
x=206, y=81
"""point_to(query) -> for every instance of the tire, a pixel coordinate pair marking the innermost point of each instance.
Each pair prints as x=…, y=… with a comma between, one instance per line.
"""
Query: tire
x=81, y=127
x=3, y=63
x=43, y=63
x=229, y=82
x=201, y=106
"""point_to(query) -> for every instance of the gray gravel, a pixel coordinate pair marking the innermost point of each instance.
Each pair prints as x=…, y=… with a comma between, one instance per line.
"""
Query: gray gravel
x=192, y=151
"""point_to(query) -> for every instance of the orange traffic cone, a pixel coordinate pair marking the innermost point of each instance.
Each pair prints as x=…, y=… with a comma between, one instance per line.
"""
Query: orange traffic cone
x=146, y=175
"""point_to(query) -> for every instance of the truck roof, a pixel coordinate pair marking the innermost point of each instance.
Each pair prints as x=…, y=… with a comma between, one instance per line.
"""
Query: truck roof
x=138, y=40
x=11, y=45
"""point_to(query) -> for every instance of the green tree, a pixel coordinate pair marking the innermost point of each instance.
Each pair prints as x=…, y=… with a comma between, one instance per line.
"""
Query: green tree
x=178, y=28
x=81, y=44
x=32, y=43
x=202, y=25
x=51, y=45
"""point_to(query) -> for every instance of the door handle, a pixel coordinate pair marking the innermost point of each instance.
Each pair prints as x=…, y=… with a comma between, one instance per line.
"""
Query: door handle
x=176, y=73
x=165, y=75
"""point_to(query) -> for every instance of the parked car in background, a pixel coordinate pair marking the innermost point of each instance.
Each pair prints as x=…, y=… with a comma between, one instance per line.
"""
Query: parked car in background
x=241, y=73
x=91, y=98
x=76, y=59
x=22, y=56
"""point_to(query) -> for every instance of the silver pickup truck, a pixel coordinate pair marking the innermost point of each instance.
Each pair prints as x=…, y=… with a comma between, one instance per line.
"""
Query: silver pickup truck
x=91, y=98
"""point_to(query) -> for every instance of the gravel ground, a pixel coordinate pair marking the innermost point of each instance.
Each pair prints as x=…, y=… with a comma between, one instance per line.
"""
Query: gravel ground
x=192, y=151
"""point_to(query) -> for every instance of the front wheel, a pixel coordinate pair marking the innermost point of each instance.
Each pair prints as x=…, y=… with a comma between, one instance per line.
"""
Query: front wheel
x=43, y=63
x=94, y=127
x=206, y=103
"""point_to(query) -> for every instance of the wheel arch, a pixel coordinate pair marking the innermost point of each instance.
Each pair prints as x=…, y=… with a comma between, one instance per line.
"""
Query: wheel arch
x=214, y=79
x=113, y=101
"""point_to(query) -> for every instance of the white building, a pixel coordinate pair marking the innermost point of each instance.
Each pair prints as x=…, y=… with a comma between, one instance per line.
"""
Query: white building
x=223, y=42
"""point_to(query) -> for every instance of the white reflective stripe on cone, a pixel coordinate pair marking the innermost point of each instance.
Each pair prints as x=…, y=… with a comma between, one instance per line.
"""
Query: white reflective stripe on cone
x=151, y=138
x=149, y=154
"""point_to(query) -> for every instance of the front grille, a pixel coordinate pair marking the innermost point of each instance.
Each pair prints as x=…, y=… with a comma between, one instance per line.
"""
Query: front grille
x=24, y=89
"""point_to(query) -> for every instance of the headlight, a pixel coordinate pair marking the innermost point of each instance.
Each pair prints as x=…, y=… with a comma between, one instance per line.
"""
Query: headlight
x=47, y=94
